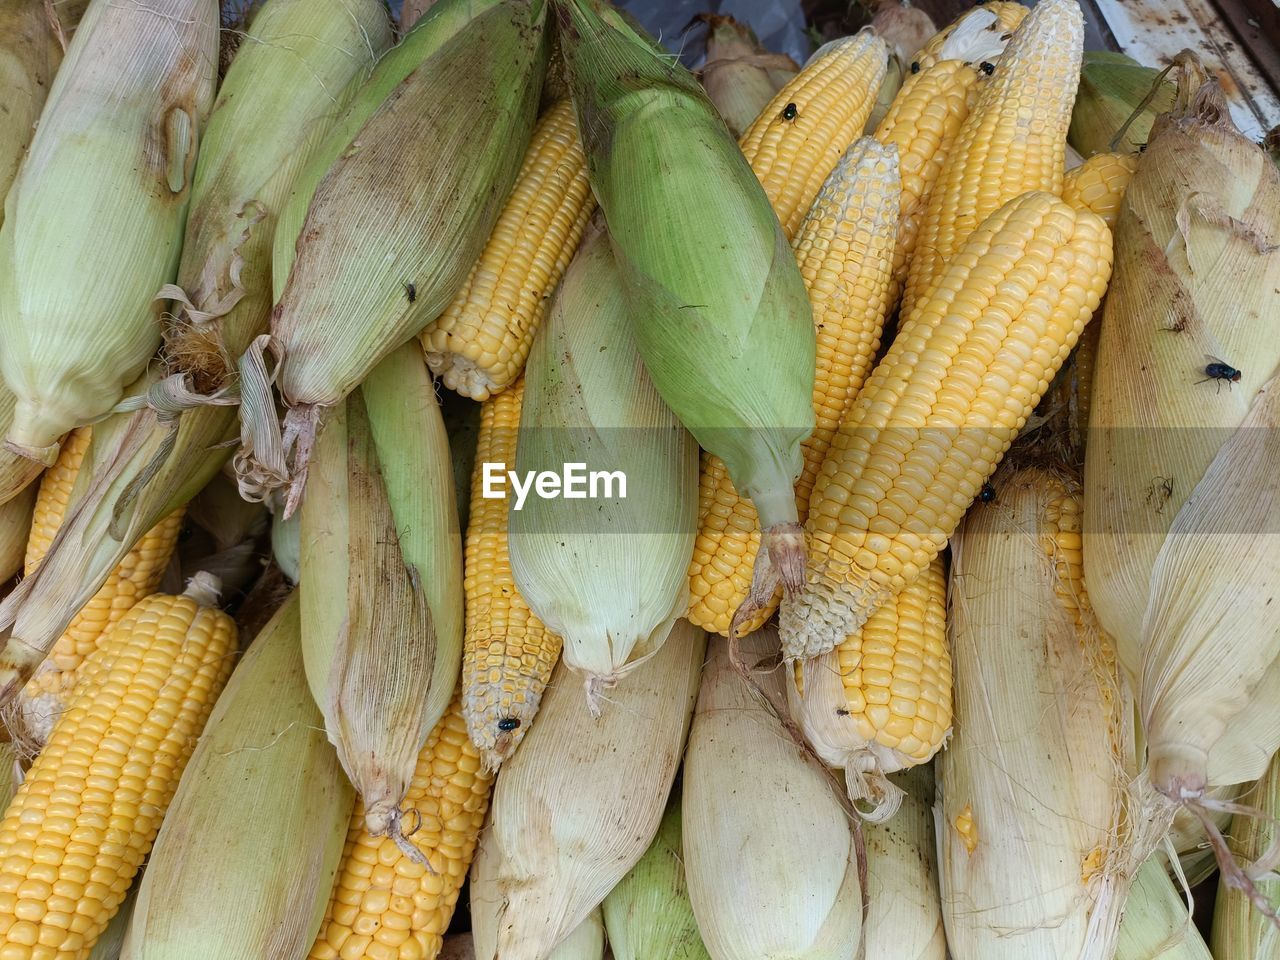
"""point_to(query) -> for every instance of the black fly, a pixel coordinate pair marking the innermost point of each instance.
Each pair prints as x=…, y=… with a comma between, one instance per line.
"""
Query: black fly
x=507, y=724
x=411, y=292
x=987, y=67
x=987, y=493
x=789, y=112
x=1218, y=370
x=915, y=66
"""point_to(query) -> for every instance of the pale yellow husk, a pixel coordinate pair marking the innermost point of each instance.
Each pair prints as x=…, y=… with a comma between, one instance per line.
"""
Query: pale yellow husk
x=1033, y=859
x=1189, y=837
x=15, y=525
x=1157, y=924
x=754, y=810
x=116, y=148
x=606, y=573
x=577, y=806
x=250, y=845
x=905, y=919
x=1180, y=500
x=380, y=567
x=1240, y=931
x=585, y=943
x=741, y=75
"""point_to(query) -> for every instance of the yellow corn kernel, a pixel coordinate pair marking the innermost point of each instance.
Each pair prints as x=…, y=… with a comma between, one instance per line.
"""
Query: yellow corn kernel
x=508, y=654
x=842, y=249
x=89, y=808
x=1009, y=16
x=937, y=414
x=923, y=123
x=386, y=907
x=478, y=346
x=1099, y=183
x=968, y=830
x=799, y=137
x=1014, y=140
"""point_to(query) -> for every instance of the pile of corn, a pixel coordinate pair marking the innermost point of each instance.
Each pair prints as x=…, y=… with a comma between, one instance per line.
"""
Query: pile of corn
x=916, y=597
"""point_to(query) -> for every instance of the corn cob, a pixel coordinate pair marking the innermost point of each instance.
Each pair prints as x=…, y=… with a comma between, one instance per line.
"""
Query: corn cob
x=29, y=58
x=146, y=465
x=800, y=135
x=1157, y=924
x=740, y=75
x=648, y=914
x=842, y=249
x=128, y=103
x=881, y=700
x=387, y=906
x=576, y=808
x=508, y=653
x=1099, y=184
x=606, y=574
x=905, y=919
x=119, y=751
x=921, y=437
x=1013, y=140
x=1033, y=787
x=246, y=858
x=1000, y=16
x=382, y=656
x=1159, y=512
x=336, y=315
x=781, y=808
x=1112, y=88
x=479, y=344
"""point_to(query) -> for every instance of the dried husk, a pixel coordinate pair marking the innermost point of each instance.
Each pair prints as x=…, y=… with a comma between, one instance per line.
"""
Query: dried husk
x=725, y=329
x=246, y=858
x=607, y=574
x=381, y=575
x=1112, y=88
x=1189, y=838
x=1157, y=923
x=894, y=76
x=29, y=58
x=755, y=810
x=741, y=75
x=115, y=147
x=1040, y=760
x=585, y=943
x=10, y=771
x=15, y=525
x=144, y=464
x=431, y=143
x=1240, y=931
x=906, y=28
x=580, y=801
x=1176, y=471
x=647, y=915
x=905, y=918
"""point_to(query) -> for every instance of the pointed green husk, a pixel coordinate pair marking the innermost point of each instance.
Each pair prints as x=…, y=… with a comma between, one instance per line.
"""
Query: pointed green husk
x=145, y=464
x=1157, y=924
x=610, y=574
x=1112, y=87
x=718, y=307
x=245, y=861
x=647, y=915
x=399, y=200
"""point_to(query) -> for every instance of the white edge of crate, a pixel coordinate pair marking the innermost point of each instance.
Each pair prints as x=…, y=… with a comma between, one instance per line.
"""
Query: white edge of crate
x=1154, y=31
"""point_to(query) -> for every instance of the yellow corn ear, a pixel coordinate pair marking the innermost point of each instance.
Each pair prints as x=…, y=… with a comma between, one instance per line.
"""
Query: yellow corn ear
x=478, y=346
x=939, y=411
x=90, y=806
x=508, y=653
x=384, y=905
x=1099, y=183
x=842, y=249
x=1014, y=139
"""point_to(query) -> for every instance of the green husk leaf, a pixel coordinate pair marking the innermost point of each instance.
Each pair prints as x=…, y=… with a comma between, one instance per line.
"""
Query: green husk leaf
x=1157, y=923
x=1112, y=87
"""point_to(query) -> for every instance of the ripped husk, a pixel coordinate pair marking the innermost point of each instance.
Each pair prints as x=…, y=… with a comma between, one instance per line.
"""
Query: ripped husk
x=781, y=812
x=606, y=572
x=115, y=147
x=250, y=845
x=1240, y=931
x=380, y=671
x=578, y=804
x=148, y=462
x=904, y=27
x=1033, y=851
x=741, y=75
x=431, y=143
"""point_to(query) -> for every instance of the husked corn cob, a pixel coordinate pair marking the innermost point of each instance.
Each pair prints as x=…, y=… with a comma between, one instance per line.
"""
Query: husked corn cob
x=804, y=130
x=479, y=344
x=939, y=411
x=881, y=700
x=1013, y=140
x=90, y=806
x=115, y=146
x=1008, y=16
x=842, y=249
x=508, y=654
x=1099, y=183
x=384, y=905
